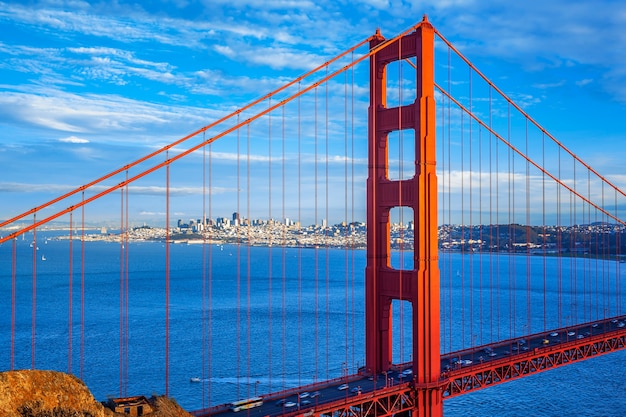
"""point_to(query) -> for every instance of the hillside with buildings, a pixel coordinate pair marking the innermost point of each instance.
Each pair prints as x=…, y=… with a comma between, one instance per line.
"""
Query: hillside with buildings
x=597, y=239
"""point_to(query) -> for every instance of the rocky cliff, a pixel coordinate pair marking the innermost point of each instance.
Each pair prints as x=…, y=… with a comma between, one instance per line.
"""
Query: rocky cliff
x=56, y=394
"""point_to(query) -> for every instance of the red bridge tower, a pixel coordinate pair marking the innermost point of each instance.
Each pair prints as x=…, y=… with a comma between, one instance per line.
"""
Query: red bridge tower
x=419, y=286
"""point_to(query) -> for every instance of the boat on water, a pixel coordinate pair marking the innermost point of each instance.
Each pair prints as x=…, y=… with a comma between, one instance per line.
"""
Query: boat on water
x=194, y=379
x=43, y=257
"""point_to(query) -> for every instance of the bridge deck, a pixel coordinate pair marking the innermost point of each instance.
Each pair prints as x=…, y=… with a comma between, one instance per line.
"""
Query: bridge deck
x=463, y=371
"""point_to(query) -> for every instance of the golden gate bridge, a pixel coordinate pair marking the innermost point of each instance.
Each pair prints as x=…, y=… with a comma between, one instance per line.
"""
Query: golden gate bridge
x=492, y=252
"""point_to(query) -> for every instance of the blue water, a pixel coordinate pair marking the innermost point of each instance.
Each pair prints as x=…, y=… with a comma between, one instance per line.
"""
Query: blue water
x=297, y=327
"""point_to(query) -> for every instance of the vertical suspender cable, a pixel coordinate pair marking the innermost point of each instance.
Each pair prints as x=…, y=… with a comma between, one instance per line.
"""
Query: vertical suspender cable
x=249, y=233
x=70, y=289
x=528, y=240
x=619, y=257
x=491, y=228
x=559, y=244
x=34, y=300
x=544, y=239
x=326, y=231
x=603, y=284
x=299, y=244
x=573, y=236
x=480, y=236
x=345, y=217
x=238, y=269
x=605, y=244
x=590, y=272
x=123, y=291
x=499, y=274
x=126, y=283
x=587, y=263
x=209, y=325
x=449, y=125
x=442, y=214
x=270, y=231
x=82, y=287
x=606, y=288
x=13, y=291
x=401, y=209
x=590, y=262
x=584, y=264
x=511, y=238
x=463, y=240
x=605, y=249
x=167, y=275
x=513, y=230
x=283, y=248
x=240, y=224
x=352, y=217
x=121, y=336
x=603, y=254
x=470, y=254
x=316, y=269
x=618, y=248
x=248, y=252
x=204, y=275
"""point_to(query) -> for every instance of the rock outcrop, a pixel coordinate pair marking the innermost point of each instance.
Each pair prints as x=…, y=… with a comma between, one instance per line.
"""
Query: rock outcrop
x=56, y=394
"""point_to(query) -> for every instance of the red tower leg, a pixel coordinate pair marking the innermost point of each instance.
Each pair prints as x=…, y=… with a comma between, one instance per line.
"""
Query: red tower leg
x=419, y=286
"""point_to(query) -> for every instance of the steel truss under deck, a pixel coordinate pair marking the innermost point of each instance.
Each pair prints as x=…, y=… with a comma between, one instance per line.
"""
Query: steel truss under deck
x=403, y=398
x=386, y=402
x=537, y=360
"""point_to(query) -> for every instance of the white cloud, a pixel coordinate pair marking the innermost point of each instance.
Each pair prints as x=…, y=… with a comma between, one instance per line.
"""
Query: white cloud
x=225, y=50
x=73, y=139
x=134, y=190
x=104, y=115
x=584, y=82
x=550, y=85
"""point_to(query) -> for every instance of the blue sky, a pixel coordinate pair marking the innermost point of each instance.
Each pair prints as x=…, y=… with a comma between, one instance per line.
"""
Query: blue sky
x=86, y=87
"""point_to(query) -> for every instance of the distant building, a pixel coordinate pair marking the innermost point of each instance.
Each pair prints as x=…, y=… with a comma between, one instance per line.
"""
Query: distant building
x=133, y=406
x=223, y=222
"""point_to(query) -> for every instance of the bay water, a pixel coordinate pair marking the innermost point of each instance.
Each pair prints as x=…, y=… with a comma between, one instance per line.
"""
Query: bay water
x=263, y=319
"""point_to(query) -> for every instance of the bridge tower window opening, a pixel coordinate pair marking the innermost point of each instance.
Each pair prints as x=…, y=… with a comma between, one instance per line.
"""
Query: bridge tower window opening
x=400, y=82
x=402, y=331
x=401, y=227
x=401, y=154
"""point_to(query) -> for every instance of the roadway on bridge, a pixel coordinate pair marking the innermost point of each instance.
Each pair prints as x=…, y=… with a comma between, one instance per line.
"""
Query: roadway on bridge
x=307, y=398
